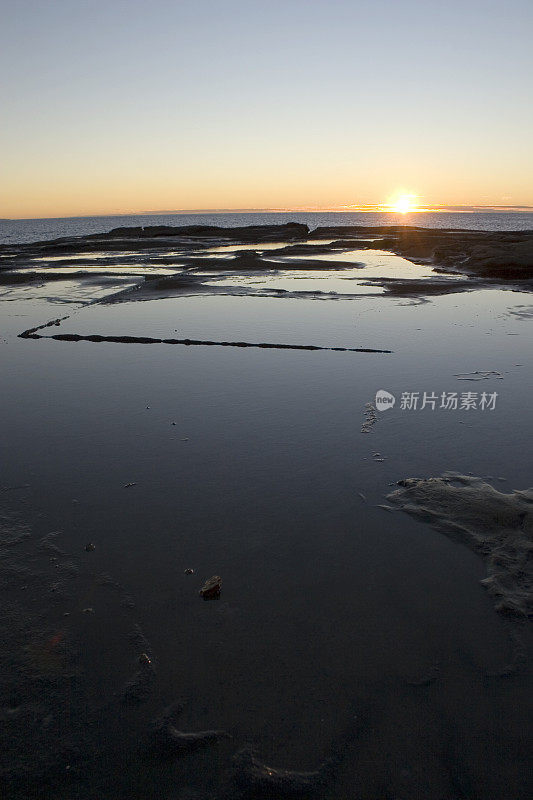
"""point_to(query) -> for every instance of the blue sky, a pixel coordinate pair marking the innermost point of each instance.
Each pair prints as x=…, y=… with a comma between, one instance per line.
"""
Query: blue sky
x=131, y=106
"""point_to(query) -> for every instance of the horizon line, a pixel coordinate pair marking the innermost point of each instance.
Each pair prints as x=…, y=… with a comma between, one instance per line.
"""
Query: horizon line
x=359, y=209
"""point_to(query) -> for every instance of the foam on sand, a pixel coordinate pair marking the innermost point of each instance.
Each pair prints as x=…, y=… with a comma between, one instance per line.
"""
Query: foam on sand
x=498, y=526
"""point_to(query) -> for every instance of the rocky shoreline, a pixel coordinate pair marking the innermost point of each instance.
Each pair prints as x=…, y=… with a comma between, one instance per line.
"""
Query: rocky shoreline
x=481, y=257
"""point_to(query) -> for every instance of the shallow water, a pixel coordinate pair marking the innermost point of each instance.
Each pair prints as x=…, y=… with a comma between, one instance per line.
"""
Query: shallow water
x=329, y=281
x=123, y=270
x=368, y=265
x=235, y=248
x=331, y=605
x=387, y=263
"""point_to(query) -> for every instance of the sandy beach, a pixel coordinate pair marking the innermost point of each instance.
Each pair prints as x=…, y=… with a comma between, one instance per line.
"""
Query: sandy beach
x=370, y=637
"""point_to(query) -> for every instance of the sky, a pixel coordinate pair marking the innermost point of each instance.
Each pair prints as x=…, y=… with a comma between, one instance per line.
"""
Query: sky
x=134, y=106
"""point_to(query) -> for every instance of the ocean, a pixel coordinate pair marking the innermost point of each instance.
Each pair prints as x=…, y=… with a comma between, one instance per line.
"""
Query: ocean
x=29, y=230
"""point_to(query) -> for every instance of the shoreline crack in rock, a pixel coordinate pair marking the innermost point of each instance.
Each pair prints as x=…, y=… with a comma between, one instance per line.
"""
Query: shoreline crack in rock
x=76, y=337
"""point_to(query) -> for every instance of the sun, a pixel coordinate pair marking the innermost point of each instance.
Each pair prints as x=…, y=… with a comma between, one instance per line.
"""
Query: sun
x=403, y=203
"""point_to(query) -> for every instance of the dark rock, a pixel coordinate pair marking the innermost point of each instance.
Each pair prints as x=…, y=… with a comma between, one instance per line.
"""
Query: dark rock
x=211, y=587
x=250, y=233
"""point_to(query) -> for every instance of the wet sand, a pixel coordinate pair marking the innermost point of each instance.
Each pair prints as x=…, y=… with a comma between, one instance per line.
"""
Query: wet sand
x=355, y=650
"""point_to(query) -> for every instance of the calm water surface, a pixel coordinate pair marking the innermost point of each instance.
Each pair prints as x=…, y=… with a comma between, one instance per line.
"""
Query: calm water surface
x=29, y=230
x=331, y=605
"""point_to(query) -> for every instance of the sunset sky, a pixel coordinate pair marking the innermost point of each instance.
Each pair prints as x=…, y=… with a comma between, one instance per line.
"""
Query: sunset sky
x=137, y=106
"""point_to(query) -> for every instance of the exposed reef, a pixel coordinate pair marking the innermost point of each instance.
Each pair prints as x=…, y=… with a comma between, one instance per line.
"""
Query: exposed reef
x=188, y=237
x=499, y=257
x=420, y=287
x=165, y=261
x=251, y=260
x=251, y=233
x=506, y=256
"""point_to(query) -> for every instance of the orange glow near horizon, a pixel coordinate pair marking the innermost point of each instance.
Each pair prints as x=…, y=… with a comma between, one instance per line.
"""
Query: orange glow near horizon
x=115, y=184
x=124, y=198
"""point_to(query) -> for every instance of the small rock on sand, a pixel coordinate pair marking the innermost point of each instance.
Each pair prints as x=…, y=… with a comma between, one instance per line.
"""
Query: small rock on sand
x=212, y=587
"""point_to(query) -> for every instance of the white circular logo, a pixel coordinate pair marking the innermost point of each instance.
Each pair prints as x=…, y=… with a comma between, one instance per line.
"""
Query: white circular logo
x=384, y=400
